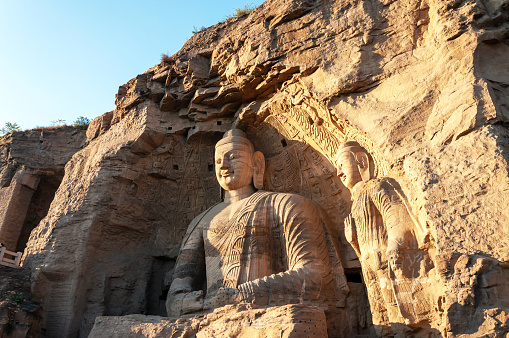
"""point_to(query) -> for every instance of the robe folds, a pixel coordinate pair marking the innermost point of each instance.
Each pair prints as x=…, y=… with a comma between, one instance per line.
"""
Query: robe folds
x=272, y=249
x=380, y=223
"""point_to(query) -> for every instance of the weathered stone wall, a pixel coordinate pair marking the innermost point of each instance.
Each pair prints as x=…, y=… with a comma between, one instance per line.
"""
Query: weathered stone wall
x=31, y=168
x=20, y=316
x=422, y=85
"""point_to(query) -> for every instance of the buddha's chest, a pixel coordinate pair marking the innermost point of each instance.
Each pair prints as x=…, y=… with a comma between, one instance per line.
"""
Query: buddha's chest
x=240, y=248
x=223, y=225
x=238, y=234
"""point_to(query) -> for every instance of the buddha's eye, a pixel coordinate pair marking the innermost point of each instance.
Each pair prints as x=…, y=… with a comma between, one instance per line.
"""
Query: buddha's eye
x=232, y=156
x=218, y=161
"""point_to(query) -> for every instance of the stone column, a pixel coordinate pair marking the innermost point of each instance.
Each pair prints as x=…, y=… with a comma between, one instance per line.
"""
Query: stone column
x=15, y=198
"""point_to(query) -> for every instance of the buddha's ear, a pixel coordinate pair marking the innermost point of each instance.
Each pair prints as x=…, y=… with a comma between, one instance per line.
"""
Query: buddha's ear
x=363, y=165
x=258, y=169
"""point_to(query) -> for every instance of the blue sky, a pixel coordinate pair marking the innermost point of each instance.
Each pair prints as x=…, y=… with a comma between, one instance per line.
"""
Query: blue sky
x=64, y=59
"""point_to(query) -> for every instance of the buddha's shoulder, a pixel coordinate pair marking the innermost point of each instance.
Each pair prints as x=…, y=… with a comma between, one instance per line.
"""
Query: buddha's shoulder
x=208, y=214
x=382, y=184
x=281, y=196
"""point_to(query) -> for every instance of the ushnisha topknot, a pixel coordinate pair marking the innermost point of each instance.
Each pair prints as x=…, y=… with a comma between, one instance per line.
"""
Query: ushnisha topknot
x=235, y=136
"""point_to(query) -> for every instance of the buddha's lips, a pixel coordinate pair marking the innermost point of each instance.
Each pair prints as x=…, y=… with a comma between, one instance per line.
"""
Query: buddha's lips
x=226, y=174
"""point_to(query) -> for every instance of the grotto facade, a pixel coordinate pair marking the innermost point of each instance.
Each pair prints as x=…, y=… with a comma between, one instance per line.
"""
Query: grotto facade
x=419, y=92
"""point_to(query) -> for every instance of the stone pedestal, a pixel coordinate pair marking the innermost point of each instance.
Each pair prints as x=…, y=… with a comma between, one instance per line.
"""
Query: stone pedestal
x=242, y=320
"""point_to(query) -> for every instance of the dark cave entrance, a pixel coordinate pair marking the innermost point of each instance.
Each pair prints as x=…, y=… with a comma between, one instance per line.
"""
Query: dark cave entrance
x=158, y=285
x=354, y=276
x=39, y=207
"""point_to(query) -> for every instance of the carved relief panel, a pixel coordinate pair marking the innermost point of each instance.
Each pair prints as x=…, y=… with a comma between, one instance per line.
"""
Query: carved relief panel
x=174, y=184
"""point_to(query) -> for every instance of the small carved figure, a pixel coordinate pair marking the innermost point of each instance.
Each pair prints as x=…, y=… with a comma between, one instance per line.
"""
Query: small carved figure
x=259, y=247
x=383, y=234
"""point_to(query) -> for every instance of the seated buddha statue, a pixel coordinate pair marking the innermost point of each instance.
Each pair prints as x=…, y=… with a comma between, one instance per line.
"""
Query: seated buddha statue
x=259, y=247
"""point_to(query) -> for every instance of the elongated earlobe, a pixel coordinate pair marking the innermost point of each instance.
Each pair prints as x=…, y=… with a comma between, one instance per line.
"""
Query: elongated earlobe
x=363, y=165
x=258, y=169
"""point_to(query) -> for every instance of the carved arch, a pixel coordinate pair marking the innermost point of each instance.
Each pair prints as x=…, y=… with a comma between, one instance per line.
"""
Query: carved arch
x=297, y=115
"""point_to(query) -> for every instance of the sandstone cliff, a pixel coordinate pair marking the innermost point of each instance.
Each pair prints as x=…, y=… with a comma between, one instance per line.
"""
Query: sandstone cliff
x=31, y=168
x=423, y=85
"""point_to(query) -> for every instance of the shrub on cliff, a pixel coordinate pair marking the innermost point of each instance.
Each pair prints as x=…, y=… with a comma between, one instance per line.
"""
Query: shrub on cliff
x=9, y=128
x=197, y=30
x=165, y=57
x=248, y=8
x=81, y=123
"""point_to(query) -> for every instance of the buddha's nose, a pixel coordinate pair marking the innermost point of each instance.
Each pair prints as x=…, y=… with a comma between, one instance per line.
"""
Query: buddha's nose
x=224, y=163
x=339, y=172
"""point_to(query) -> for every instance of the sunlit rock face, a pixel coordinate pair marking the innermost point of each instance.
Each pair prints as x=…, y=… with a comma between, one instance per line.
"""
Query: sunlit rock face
x=31, y=169
x=422, y=86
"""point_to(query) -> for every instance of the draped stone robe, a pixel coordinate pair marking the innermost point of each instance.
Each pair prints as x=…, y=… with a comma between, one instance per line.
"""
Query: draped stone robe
x=380, y=221
x=272, y=249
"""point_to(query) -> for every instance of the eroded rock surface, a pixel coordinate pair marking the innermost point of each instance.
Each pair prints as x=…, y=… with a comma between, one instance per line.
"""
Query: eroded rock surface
x=229, y=321
x=20, y=316
x=421, y=85
x=31, y=168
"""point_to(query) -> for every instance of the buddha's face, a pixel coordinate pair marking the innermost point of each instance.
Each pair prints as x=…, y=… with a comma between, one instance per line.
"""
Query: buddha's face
x=234, y=166
x=347, y=169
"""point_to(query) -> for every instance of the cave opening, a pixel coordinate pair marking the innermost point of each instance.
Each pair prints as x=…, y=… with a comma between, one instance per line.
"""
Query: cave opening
x=354, y=277
x=39, y=207
x=158, y=285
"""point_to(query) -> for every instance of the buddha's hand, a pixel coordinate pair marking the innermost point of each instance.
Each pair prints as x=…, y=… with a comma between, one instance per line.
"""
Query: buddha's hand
x=181, y=303
x=395, y=259
x=192, y=302
x=400, y=246
x=224, y=296
x=350, y=233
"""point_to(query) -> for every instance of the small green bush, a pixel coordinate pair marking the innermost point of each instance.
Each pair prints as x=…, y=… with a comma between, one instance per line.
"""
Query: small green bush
x=81, y=123
x=197, y=30
x=241, y=11
x=17, y=298
x=10, y=127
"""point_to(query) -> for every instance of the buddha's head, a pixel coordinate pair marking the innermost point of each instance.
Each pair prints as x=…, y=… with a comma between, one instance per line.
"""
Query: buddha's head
x=353, y=164
x=237, y=164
